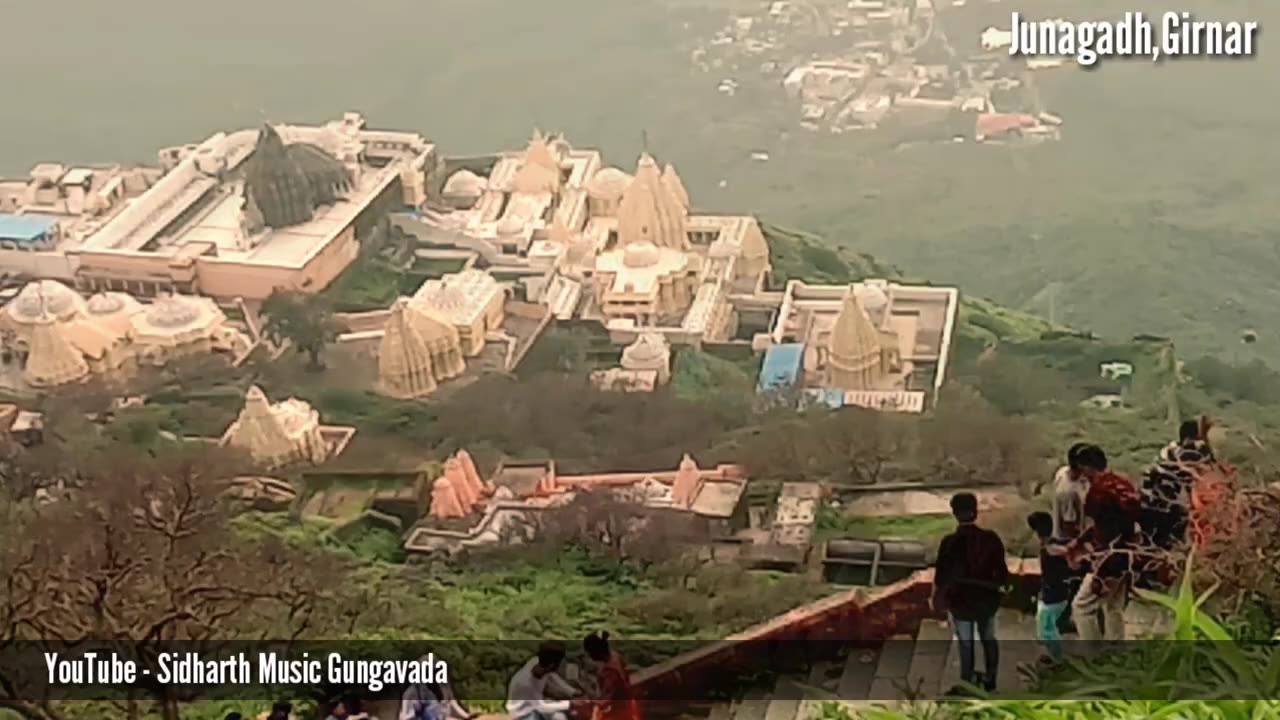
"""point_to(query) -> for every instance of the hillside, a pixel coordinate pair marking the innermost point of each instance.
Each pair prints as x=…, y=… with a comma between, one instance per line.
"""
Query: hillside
x=1028, y=368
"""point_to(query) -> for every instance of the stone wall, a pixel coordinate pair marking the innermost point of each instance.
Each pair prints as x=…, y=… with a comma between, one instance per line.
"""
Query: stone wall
x=852, y=618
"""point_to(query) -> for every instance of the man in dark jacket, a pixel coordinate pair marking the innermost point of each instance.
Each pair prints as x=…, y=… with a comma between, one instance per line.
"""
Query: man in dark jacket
x=968, y=582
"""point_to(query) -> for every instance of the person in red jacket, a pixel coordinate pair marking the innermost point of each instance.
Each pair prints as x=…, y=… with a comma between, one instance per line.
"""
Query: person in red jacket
x=1111, y=507
x=616, y=701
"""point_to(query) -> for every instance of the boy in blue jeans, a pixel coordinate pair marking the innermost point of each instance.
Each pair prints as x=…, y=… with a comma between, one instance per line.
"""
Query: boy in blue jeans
x=1055, y=583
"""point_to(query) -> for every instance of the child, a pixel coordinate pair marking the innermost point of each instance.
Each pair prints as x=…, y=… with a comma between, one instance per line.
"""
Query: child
x=1055, y=578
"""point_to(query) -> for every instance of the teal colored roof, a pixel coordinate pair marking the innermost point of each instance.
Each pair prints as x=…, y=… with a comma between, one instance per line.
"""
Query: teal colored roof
x=25, y=228
x=781, y=367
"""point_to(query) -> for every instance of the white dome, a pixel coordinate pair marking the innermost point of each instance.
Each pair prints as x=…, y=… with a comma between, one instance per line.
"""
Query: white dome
x=640, y=254
x=608, y=184
x=510, y=225
x=45, y=297
x=173, y=312
x=466, y=184
x=106, y=303
x=648, y=348
x=872, y=298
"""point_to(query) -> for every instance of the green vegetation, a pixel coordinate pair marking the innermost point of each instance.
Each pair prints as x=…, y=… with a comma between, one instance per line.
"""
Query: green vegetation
x=372, y=282
x=306, y=322
x=831, y=523
x=797, y=255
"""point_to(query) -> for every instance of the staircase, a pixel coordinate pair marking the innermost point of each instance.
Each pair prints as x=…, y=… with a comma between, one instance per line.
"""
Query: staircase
x=923, y=666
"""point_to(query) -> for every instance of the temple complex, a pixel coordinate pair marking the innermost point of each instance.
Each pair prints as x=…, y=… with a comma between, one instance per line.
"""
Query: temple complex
x=461, y=511
x=238, y=215
x=523, y=194
x=598, y=243
x=873, y=344
x=54, y=336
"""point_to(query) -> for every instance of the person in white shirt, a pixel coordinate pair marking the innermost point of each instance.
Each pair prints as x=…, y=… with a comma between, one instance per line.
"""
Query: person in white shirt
x=527, y=691
x=431, y=701
x=1069, y=489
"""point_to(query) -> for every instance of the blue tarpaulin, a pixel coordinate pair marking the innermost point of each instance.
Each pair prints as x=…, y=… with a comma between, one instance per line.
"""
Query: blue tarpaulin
x=781, y=367
x=25, y=228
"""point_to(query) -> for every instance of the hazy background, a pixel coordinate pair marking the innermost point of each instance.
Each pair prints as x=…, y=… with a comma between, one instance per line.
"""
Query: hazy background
x=1156, y=213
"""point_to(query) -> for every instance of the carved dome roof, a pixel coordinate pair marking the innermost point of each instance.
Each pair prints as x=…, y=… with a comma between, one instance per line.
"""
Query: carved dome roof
x=641, y=254
x=110, y=303
x=466, y=184
x=45, y=297
x=648, y=348
x=288, y=182
x=608, y=184
x=872, y=298
x=510, y=225
x=173, y=311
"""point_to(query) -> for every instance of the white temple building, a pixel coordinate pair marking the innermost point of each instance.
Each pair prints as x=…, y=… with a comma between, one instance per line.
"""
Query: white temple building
x=58, y=337
x=598, y=243
x=645, y=365
x=419, y=349
x=282, y=433
x=876, y=344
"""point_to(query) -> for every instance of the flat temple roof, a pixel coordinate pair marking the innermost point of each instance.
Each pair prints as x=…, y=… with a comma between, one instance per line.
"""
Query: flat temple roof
x=25, y=228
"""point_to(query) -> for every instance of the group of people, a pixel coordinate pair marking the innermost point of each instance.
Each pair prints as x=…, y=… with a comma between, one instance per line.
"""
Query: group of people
x=536, y=692
x=1103, y=536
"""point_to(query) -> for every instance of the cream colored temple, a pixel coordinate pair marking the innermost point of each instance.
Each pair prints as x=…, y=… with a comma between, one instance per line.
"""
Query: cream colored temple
x=598, y=243
x=284, y=433
x=235, y=216
x=874, y=344
x=53, y=336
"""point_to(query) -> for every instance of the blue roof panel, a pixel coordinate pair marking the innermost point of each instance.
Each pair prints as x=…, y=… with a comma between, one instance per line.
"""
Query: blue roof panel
x=781, y=367
x=25, y=228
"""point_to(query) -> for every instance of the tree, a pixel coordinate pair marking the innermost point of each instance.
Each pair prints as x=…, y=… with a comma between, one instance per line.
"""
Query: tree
x=142, y=554
x=304, y=320
x=621, y=529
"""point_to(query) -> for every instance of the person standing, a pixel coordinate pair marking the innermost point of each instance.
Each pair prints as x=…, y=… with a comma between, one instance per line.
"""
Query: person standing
x=1055, y=578
x=1111, y=508
x=1069, y=490
x=615, y=699
x=1166, y=488
x=968, y=583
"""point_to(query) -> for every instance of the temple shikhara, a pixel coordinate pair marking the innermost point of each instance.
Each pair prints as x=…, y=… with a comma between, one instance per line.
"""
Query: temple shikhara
x=461, y=510
x=597, y=243
x=549, y=232
x=283, y=433
x=874, y=344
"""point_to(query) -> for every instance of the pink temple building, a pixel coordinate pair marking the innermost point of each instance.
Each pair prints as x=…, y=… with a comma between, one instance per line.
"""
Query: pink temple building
x=506, y=508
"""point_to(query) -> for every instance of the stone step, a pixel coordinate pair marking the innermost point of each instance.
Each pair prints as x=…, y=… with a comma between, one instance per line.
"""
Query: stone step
x=930, y=656
x=752, y=706
x=785, y=704
x=891, y=671
x=825, y=676
x=1016, y=633
x=858, y=674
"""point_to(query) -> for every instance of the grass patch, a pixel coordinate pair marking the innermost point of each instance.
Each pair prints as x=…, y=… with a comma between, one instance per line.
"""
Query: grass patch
x=832, y=524
x=369, y=283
